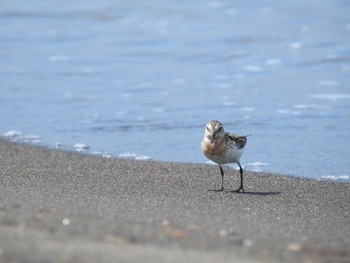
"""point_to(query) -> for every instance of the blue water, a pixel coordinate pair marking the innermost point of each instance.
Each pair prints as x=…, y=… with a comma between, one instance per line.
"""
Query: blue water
x=140, y=79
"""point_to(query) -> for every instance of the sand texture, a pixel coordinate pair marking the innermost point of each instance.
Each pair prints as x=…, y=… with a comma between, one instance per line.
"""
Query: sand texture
x=58, y=206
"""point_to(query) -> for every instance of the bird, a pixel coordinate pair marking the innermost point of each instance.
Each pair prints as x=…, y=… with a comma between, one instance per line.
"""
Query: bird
x=222, y=148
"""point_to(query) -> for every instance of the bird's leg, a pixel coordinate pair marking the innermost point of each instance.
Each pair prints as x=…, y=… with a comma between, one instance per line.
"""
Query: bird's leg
x=241, y=173
x=222, y=178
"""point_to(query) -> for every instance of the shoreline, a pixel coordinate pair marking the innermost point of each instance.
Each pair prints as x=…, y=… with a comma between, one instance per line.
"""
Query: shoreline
x=330, y=178
x=59, y=206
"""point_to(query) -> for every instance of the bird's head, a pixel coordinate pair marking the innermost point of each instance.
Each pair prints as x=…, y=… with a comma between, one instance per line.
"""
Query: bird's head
x=214, y=129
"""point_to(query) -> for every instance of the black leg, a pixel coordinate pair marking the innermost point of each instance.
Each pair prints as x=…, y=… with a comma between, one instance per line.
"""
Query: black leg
x=241, y=173
x=222, y=178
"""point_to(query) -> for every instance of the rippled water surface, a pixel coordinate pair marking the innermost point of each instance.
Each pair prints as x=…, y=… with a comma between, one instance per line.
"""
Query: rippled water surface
x=140, y=79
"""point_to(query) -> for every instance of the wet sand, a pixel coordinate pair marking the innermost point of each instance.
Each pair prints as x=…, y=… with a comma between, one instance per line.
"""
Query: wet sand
x=58, y=206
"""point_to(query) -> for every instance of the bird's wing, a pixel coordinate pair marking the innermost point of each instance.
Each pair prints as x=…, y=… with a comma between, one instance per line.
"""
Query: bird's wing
x=239, y=140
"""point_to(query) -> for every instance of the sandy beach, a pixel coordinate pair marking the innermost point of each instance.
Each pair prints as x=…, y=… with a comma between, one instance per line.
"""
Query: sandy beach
x=58, y=206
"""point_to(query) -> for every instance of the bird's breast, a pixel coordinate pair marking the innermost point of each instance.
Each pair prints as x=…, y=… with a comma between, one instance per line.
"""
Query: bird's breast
x=215, y=148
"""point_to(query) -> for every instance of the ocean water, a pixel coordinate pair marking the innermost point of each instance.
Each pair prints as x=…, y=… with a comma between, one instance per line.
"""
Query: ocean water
x=140, y=79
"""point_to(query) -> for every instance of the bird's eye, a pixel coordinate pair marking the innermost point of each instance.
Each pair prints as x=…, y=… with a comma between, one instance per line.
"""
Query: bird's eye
x=208, y=128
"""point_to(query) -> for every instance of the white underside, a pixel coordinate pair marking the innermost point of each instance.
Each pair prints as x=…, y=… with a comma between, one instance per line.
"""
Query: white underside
x=230, y=156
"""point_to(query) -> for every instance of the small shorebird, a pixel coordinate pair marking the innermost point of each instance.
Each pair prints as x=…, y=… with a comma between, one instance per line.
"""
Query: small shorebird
x=222, y=147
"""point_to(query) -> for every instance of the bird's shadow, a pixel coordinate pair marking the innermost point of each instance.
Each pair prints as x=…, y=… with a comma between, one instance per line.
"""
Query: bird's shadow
x=255, y=193
x=246, y=193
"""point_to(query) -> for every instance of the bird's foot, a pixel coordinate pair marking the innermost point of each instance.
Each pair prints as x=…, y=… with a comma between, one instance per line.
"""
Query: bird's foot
x=239, y=189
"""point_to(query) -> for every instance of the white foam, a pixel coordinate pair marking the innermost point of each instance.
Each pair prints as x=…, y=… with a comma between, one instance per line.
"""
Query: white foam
x=103, y=154
x=304, y=106
x=260, y=164
x=32, y=138
x=296, y=45
x=310, y=107
x=142, y=157
x=330, y=96
x=57, y=145
x=16, y=135
x=127, y=155
x=256, y=166
x=335, y=177
x=228, y=104
x=253, y=68
x=12, y=134
x=273, y=61
x=134, y=156
x=289, y=112
x=80, y=147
